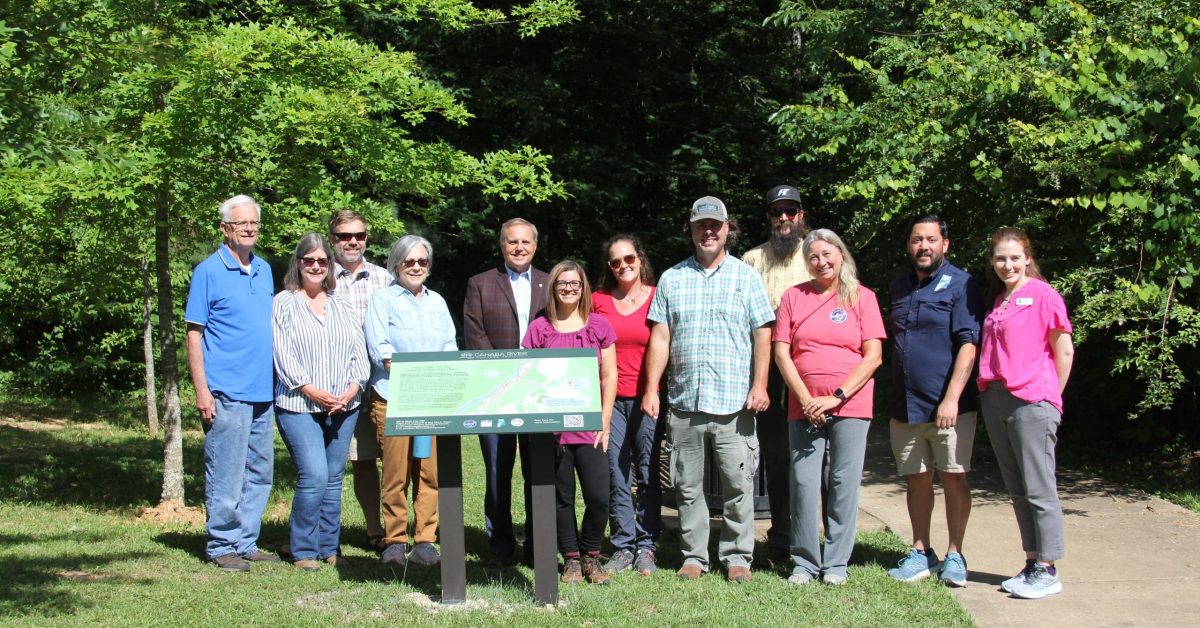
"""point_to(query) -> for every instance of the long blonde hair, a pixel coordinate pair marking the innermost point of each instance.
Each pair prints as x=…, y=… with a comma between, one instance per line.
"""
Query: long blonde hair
x=585, y=292
x=847, y=275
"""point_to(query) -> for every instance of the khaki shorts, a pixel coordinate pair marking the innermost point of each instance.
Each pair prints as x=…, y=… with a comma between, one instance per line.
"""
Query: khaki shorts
x=921, y=447
x=364, y=445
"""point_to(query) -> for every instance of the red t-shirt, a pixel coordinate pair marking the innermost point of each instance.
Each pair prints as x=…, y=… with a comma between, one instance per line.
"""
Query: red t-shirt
x=633, y=334
x=827, y=339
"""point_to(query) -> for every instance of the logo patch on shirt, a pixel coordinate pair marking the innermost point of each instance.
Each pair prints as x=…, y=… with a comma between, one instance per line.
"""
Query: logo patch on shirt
x=942, y=283
x=838, y=315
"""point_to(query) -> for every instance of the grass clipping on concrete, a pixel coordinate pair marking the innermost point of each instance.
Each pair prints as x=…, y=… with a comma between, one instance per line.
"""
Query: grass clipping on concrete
x=82, y=541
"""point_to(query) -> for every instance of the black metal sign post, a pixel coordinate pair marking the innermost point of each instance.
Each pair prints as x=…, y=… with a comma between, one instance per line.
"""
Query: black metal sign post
x=545, y=534
x=450, y=520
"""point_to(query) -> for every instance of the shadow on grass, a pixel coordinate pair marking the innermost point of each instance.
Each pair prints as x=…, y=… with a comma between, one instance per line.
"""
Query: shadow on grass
x=38, y=586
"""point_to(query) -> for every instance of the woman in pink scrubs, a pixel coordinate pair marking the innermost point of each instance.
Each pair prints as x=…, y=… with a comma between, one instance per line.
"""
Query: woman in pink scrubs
x=1024, y=360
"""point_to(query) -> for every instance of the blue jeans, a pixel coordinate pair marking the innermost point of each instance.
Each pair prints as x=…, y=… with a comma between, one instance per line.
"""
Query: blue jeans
x=632, y=437
x=319, y=444
x=239, y=466
x=499, y=456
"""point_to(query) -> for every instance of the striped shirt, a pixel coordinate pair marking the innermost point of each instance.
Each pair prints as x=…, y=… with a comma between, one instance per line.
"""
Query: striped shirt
x=358, y=286
x=711, y=318
x=327, y=351
x=398, y=322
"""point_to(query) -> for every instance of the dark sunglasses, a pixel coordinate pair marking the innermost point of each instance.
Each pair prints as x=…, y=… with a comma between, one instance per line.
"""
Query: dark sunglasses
x=615, y=263
x=423, y=262
x=319, y=261
x=346, y=236
x=790, y=210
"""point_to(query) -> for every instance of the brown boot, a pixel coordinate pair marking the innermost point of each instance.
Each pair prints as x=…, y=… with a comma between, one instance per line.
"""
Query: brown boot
x=572, y=571
x=594, y=571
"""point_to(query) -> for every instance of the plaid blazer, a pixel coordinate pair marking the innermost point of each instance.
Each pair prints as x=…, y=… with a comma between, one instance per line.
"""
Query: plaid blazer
x=490, y=311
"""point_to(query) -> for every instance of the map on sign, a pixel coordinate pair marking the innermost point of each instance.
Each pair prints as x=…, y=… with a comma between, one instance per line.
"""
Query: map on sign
x=504, y=391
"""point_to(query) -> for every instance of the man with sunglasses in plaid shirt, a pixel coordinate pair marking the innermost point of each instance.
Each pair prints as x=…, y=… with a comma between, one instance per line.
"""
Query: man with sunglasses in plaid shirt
x=782, y=266
x=357, y=279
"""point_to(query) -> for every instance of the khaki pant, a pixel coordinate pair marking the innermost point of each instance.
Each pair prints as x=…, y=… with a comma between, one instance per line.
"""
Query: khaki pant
x=399, y=470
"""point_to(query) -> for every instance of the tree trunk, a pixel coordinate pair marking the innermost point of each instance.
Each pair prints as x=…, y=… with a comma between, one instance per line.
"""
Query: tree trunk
x=148, y=348
x=172, y=485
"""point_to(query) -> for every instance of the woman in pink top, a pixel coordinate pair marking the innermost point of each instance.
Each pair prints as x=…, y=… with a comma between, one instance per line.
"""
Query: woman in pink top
x=569, y=323
x=1024, y=360
x=828, y=341
x=626, y=287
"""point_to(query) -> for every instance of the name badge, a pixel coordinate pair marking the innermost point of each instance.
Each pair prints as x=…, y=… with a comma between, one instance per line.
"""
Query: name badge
x=1024, y=300
x=942, y=283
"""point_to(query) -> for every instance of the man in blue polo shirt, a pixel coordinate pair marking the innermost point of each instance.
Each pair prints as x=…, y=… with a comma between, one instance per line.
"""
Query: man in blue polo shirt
x=934, y=319
x=229, y=354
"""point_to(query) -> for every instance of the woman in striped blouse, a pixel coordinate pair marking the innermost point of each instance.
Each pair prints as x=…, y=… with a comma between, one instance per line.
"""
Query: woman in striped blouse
x=320, y=369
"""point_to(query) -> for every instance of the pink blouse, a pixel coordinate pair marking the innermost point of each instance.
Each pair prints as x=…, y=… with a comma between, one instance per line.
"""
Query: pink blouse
x=1015, y=349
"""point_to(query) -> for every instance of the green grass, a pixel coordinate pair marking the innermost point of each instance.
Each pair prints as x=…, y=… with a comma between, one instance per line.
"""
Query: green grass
x=73, y=552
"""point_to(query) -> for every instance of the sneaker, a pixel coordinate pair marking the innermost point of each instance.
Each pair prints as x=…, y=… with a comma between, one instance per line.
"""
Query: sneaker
x=572, y=570
x=914, y=566
x=834, y=579
x=307, y=564
x=1038, y=584
x=594, y=571
x=425, y=554
x=231, y=562
x=1007, y=585
x=799, y=577
x=259, y=556
x=394, y=554
x=644, y=563
x=620, y=561
x=954, y=570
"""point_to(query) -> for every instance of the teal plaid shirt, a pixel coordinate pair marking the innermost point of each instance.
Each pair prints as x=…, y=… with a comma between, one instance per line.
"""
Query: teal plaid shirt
x=712, y=319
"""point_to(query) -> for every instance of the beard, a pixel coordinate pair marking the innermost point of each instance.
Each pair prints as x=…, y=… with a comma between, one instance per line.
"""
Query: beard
x=784, y=246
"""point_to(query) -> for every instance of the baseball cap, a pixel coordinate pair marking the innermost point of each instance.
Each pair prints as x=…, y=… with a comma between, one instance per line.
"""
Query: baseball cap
x=707, y=207
x=784, y=193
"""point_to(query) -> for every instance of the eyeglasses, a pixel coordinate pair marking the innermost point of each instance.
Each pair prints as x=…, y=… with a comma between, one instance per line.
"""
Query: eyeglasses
x=243, y=224
x=790, y=210
x=319, y=261
x=568, y=285
x=616, y=262
x=423, y=262
x=346, y=236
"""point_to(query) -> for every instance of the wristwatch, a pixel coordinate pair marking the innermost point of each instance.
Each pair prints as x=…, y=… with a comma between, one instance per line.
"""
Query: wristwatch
x=840, y=394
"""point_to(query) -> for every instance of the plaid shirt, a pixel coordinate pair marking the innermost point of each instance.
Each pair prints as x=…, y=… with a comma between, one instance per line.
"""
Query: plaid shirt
x=712, y=319
x=358, y=287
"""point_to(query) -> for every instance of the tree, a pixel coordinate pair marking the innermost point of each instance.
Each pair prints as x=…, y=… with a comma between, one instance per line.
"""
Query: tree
x=1075, y=120
x=125, y=119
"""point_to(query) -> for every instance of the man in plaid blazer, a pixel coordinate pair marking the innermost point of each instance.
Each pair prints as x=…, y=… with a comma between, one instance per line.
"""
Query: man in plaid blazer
x=499, y=305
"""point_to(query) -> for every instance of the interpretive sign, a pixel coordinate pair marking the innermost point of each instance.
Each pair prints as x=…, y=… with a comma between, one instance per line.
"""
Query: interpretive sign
x=513, y=391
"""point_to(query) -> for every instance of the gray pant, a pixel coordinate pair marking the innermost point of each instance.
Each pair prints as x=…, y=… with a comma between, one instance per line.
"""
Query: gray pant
x=1023, y=437
x=736, y=447
x=846, y=441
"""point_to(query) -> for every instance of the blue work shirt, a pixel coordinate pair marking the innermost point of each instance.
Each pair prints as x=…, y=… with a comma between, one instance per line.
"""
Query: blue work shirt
x=928, y=321
x=398, y=322
x=235, y=309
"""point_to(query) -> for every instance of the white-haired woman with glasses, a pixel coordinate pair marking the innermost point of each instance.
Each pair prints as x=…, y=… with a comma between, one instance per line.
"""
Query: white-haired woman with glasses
x=320, y=369
x=406, y=317
x=828, y=341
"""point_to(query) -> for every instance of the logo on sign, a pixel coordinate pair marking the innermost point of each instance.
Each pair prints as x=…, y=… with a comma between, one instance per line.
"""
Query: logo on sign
x=485, y=423
x=572, y=420
x=500, y=423
x=469, y=423
x=518, y=422
x=838, y=315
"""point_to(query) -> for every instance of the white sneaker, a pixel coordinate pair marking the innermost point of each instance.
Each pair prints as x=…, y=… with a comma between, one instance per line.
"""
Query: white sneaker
x=1038, y=584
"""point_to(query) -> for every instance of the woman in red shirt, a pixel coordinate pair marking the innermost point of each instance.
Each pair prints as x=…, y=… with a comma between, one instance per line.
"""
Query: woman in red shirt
x=828, y=341
x=623, y=297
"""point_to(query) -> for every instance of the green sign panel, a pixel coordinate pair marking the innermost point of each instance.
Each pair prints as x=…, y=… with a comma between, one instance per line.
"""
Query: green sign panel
x=512, y=391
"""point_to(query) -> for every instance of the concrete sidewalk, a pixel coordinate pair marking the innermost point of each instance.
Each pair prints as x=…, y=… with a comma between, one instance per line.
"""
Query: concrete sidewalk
x=1132, y=560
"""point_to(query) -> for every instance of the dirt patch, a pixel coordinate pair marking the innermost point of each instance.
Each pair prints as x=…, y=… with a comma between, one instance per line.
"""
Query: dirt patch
x=172, y=512
x=83, y=576
x=49, y=425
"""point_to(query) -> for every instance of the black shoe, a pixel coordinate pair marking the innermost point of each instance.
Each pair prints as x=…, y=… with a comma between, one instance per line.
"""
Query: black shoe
x=424, y=554
x=503, y=559
x=395, y=554
x=231, y=562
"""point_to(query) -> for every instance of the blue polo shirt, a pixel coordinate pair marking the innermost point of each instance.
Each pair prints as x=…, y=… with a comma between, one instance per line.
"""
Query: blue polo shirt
x=235, y=309
x=928, y=321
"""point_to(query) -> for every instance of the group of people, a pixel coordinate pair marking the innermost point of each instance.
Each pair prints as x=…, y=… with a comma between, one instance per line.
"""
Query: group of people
x=770, y=356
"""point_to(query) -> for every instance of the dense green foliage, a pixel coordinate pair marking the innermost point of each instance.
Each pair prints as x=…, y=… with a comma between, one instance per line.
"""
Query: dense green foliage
x=1078, y=121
